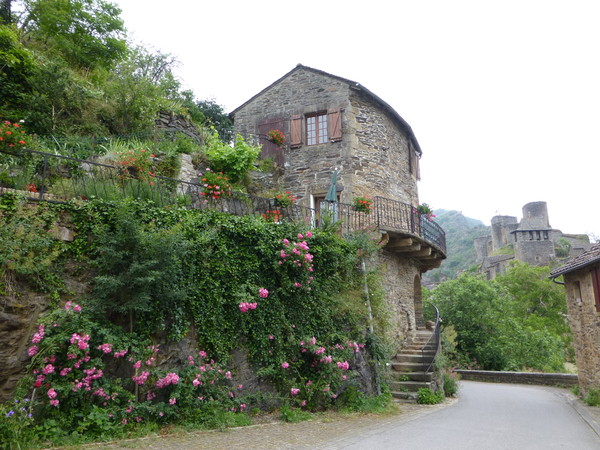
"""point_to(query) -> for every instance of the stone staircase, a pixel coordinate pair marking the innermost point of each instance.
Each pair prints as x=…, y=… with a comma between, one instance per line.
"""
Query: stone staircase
x=408, y=366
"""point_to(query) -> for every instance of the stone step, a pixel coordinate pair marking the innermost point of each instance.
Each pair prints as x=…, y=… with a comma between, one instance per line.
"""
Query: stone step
x=417, y=349
x=412, y=351
x=407, y=366
x=407, y=396
x=409, y=386
x=412, y=376
x=416, y=357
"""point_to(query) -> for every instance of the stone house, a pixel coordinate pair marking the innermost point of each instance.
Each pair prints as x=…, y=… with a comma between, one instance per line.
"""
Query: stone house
x=532, y=240
x=335, y=124
x=582, y=285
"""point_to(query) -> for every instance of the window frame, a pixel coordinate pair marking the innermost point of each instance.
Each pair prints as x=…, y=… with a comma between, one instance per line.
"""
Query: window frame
x=321, y=134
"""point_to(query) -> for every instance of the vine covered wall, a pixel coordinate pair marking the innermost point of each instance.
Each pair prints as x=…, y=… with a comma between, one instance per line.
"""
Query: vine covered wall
x=146, y=306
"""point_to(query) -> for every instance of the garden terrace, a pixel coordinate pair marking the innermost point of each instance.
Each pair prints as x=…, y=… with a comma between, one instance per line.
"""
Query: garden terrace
x=57, y=178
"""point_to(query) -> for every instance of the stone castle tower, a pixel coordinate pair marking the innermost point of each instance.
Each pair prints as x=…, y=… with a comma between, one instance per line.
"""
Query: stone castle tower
x=532, y=240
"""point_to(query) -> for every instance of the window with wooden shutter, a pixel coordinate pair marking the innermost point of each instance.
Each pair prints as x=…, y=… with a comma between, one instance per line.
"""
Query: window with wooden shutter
x=269, y=149
x=316, y=129
x=335, y=125
x=413, y=162
x=296, y=131
x=596, y=284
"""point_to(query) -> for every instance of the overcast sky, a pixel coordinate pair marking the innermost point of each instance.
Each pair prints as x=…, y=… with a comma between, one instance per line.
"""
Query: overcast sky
x=503, y=96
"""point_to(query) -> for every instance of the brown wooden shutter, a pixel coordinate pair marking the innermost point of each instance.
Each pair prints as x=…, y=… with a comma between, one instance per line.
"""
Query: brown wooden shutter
x=418, y=165
x=296, y=131
x=596, y=284
x=270, y=150
x=335, y=125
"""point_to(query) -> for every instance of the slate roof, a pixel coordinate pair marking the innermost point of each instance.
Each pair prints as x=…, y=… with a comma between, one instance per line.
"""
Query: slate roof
x=403, y=123
x=585, y=259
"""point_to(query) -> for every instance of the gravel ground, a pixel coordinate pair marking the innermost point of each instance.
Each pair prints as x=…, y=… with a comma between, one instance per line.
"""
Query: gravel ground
x=313, y=434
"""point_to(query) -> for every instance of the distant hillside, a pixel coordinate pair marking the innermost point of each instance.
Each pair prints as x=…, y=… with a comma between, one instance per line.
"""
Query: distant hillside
x=460, y=231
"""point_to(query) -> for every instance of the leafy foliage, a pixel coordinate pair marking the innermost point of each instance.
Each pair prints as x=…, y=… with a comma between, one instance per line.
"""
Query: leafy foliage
x=515, y=322
x=211, y=114
x=68, y=70
x=177, y=272
x=234, y=161
x=86, y=33
x=28, y=250
x=426, y=396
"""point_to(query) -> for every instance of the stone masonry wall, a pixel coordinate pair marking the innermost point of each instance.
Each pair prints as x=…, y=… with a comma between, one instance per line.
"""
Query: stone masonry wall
x=381, y=153
x=584, y=321
x=372, y=156
x=308, y=169
x=398, y=282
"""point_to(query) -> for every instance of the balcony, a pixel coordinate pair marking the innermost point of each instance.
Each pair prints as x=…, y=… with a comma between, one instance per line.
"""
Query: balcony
x=404, y=230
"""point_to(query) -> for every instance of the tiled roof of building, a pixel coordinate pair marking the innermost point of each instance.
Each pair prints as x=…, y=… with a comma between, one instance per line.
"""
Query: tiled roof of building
x=585, y=259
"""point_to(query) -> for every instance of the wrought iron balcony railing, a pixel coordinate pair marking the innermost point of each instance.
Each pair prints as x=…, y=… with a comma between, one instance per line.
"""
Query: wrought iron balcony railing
x=58, y=178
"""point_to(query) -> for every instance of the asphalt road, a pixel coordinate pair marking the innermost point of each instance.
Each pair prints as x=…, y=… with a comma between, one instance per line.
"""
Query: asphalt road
x=486, y=416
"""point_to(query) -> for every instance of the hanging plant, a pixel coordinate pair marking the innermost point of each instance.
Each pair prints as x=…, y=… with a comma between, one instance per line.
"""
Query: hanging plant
x=362, y=204
x=425, y=210
x=276, y=137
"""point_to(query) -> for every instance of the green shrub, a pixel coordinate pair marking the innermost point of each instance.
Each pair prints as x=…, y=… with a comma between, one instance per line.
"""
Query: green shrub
x=426, y=396
x=592, y=397
x=354, y=400
x=235, y=161
x=450, y=383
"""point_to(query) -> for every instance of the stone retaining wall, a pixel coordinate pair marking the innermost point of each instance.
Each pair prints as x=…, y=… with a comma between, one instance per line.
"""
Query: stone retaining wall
x=547, y=379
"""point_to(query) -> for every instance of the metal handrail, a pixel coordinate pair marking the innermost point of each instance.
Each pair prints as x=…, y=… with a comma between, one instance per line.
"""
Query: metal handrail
x=435, y=339
x=390, y=215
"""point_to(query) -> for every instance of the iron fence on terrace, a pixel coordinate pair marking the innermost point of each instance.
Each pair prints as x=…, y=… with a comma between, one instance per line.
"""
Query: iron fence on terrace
x=57, y=178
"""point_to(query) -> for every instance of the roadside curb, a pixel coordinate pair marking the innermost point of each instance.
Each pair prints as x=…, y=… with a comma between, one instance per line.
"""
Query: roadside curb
x=583, y=412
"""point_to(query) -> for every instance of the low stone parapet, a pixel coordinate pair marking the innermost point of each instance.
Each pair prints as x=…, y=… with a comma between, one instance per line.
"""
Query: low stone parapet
x=547, y=379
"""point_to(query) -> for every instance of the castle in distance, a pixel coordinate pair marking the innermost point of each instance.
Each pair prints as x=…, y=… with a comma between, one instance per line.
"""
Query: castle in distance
x=532, y=240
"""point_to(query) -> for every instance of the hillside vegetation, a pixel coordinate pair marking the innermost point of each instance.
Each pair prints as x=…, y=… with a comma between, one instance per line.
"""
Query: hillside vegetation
x=68, y=69
x=461, y=232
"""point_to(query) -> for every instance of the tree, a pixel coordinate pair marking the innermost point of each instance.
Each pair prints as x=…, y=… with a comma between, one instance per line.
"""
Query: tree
x=16, y=65
x=215, y=116
x=499, y=329
x=88, y=34
x=5, y=12
x=536, y=300
x=139, y=88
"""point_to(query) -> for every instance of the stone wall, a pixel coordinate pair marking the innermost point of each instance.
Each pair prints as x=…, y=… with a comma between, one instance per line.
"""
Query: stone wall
x=372, y=156
x=547, y=379
x=177, y=123
x=584, y=321
x=380, y=161
x=500, y=230
x=18, y=318
x=398, y=282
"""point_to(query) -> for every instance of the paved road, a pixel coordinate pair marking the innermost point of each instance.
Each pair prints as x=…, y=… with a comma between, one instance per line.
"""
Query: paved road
x=487, y=416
